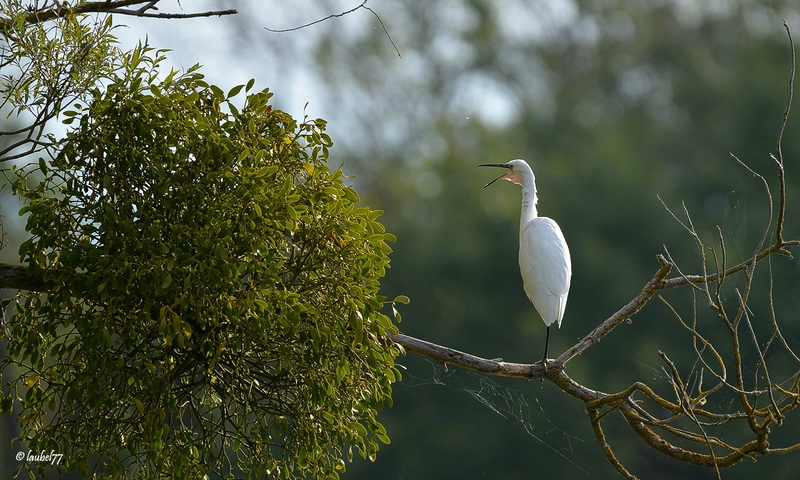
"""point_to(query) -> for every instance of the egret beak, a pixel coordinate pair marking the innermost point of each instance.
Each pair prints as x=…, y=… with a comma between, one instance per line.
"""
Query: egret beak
x=500, y=165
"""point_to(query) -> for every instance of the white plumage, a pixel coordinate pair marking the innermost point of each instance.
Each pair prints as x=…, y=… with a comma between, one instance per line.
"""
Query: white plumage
x=545, y=266
x=544, y=259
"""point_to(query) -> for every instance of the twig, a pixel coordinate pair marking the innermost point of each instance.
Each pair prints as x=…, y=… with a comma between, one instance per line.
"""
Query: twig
x=778, y=415
x=687, y=407
x=333, y=15
x=774, y=317
x=338, y=15
x=791, y=92
x=779, y=160
x=769, y=198
x=706, y=344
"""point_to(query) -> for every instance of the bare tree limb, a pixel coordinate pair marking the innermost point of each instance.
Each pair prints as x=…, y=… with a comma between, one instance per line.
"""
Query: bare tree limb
x=665, y=415
x=333, y=15
x=594, y=418
x=653, y=286
x=137, y=13
x=779, y=160
x=449, y=356
x=58, y=10
x=363, y=5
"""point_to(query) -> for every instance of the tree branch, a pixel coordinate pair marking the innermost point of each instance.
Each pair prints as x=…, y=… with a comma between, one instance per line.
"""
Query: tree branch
x=653, y=286
x=447, y=355
x=551, y=370
x=59, y=10
x=334, y=15
x=361, y=5
x=16, y=277
x=138, y=13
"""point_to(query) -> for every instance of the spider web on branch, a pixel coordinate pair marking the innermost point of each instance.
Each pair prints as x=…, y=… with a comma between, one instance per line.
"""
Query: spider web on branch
x=511, y=404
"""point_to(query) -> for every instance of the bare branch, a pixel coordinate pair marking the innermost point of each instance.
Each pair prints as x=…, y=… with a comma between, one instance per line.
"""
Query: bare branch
x=595, y=418
x=721, y=377
x=647, y=411
x=110, y=6
x=654, y=285
x=363, y=5
x=449, y=356
x=385, y=31
x=138, y=13
x=762, y=361
x=334, y=15
x=688, y=408
x=639, y=426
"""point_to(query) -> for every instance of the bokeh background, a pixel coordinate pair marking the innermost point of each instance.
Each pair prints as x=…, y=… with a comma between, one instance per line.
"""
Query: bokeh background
x=615, y=103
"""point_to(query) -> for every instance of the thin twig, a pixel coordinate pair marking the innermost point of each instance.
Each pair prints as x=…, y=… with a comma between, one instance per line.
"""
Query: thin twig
x=683, y=400
x=333, y=15
x=779, y=160
x=338, y=15
x=774, y=317
x=695, y=336
x=763, y=362
x=385, y=31
x=769, y=198
x=791, y=93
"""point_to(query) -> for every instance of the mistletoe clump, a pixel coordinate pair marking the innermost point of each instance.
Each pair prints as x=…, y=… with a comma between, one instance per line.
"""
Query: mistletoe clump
x=214, y=300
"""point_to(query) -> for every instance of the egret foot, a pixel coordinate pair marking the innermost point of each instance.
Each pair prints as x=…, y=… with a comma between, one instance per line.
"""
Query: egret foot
x=544, y=366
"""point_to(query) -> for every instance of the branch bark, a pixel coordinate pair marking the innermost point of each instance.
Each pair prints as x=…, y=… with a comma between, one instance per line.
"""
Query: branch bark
x=447, y=356
x=17, y=277
x=59, y=10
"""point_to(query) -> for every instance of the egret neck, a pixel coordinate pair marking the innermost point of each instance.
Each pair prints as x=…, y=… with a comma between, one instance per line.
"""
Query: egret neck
x=529, y=198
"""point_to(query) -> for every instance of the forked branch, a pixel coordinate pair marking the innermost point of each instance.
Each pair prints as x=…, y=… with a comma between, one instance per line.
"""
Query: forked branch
x=144, y=8
x=758, y=394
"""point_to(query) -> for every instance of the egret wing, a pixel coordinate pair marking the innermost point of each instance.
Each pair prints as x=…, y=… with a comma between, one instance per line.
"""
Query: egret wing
x=546, y=268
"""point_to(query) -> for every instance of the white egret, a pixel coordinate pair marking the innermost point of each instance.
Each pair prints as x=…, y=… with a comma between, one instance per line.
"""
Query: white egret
x=544, y=259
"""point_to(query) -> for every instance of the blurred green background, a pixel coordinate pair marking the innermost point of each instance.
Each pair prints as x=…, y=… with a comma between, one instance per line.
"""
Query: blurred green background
x=614, y=103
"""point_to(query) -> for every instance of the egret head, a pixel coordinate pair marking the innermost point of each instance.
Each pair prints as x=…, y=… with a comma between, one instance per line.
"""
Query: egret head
x=517, y=170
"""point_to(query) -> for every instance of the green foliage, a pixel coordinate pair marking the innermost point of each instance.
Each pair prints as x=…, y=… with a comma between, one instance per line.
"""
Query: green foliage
x=46, y=66
x=65, y=56
x=216, y=290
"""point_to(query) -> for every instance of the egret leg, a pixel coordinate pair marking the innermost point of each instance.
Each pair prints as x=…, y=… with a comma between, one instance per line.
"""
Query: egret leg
x=546, y=342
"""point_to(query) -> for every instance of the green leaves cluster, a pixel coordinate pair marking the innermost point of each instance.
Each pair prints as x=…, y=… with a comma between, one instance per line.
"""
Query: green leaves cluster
x=216, y=301
x=45, y=67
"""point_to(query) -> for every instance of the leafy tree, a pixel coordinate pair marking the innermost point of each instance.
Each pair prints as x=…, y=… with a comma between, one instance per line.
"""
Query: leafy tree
x=212, y=289
x=116, y=217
